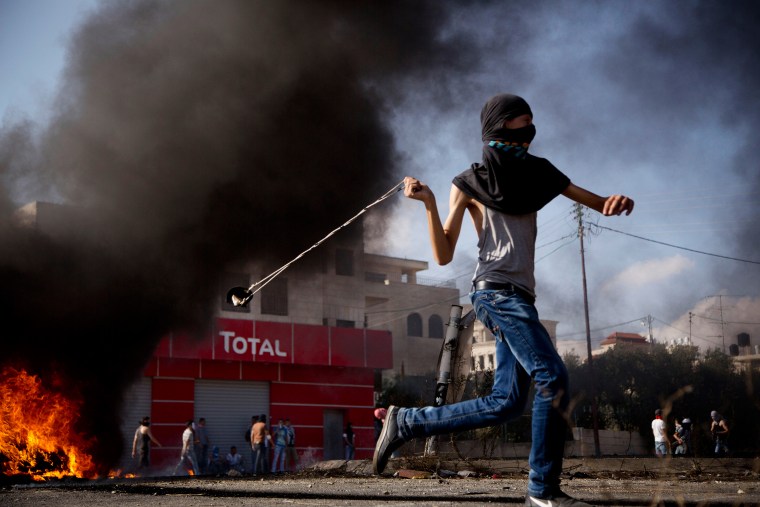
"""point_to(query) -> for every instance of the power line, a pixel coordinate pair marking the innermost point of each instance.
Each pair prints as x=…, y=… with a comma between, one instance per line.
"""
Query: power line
x=726, y=321
x=563, y=245
x=601, y=328
x=679, y=247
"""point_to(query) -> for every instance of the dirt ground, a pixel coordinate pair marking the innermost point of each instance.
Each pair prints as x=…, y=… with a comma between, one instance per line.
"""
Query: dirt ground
x=418, y=482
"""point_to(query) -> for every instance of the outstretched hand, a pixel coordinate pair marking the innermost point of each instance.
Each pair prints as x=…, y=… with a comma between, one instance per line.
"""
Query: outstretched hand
x=617, y=204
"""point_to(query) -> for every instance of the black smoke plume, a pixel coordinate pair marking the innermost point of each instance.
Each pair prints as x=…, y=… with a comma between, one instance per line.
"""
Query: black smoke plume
x=188, y=135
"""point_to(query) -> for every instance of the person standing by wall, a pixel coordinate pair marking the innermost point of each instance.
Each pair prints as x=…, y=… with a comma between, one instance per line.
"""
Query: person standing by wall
x=201, y=450
x=719, y=431
x=348, y=442
x=141, y=443
x=259, y=436
x=661, y=442
x=280, y=439
x=291, y=455
x=249, y=439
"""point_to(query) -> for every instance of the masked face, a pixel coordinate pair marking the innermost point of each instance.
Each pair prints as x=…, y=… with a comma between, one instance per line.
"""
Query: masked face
x=520, y=136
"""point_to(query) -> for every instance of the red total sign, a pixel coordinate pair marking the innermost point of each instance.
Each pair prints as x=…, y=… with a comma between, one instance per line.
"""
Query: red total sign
x=251, y=346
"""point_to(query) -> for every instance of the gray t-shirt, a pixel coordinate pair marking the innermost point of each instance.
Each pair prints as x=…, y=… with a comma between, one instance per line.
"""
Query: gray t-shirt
x=507, y=248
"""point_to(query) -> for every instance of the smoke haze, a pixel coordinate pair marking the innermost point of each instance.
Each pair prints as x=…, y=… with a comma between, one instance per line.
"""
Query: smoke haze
x=188, y=135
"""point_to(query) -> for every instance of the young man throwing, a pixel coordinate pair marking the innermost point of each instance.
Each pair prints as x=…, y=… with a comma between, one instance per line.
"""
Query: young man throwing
x=503, y=195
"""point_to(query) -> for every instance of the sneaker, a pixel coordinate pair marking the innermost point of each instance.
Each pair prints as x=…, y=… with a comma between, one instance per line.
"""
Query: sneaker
x=559, y=499
x=388, y=441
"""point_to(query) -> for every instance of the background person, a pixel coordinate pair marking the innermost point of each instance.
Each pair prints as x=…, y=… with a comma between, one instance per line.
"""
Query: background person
x=141, y=443
x=280, y=440
x=348, y=442
x=234, y=460
x=719, y=431
x=187, y=454
x=291, y=454
x=202, y=447
x=661, y=442
x=259, y=436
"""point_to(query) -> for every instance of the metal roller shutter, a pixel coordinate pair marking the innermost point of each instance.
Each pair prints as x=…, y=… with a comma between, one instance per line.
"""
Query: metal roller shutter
x=136, y=405
x=228, y=406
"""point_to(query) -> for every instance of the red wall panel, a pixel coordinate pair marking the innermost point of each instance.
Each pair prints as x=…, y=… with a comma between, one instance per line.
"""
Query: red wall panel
x=164, y=347
x=310, y=437
x=220, y=370
x=170, y=435
x=328, y=375
x=298, y=414
x=169, y=367
x=173, y=389
x=310, y=344
x=361, y=416
x=330, y=395
x=151, y=368
x=191, y=347
x=260, y=371
x=171, y=411
x=346, y=346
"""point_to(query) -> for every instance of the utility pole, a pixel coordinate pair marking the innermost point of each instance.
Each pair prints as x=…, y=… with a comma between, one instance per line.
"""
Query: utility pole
x=594, y=404
x=690, y=314
x=649, y=320
x=722, y=323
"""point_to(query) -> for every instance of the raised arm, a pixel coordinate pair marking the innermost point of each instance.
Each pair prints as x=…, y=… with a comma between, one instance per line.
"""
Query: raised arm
x=443, y=236
x=612, y=205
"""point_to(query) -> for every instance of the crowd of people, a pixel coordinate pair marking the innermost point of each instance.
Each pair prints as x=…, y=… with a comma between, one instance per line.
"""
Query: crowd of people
x=680, y=442
x=278, y=441
x=199, y=457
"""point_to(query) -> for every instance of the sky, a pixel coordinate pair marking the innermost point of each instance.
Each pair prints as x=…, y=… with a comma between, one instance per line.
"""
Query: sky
x=655, y=100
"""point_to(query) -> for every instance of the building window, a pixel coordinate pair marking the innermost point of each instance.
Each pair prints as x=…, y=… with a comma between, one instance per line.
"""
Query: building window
x=344, y=262
x=274, y=297
x=414, y=325
x=435, y=326
x=490, y=362
x=481, y=363
x=375, y=277
x=344, y=323
x=230, y=280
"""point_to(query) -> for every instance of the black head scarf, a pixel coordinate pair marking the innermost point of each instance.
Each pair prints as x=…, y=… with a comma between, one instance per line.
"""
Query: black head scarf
x=509, y=179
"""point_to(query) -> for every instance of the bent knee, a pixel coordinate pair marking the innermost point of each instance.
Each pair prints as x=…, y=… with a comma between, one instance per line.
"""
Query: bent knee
x=552, y=382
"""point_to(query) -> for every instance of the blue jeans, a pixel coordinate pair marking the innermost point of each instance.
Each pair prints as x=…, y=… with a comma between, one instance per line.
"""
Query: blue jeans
x=259, y=464
x=524, y=350
x=720, y=446
x=190, y=457
x=279, y=455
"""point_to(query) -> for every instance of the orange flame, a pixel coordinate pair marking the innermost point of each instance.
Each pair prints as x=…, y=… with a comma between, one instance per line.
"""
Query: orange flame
x=37, y=435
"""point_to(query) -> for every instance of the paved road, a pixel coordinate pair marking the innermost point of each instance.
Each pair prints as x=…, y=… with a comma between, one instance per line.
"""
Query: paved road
x=629, y=482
